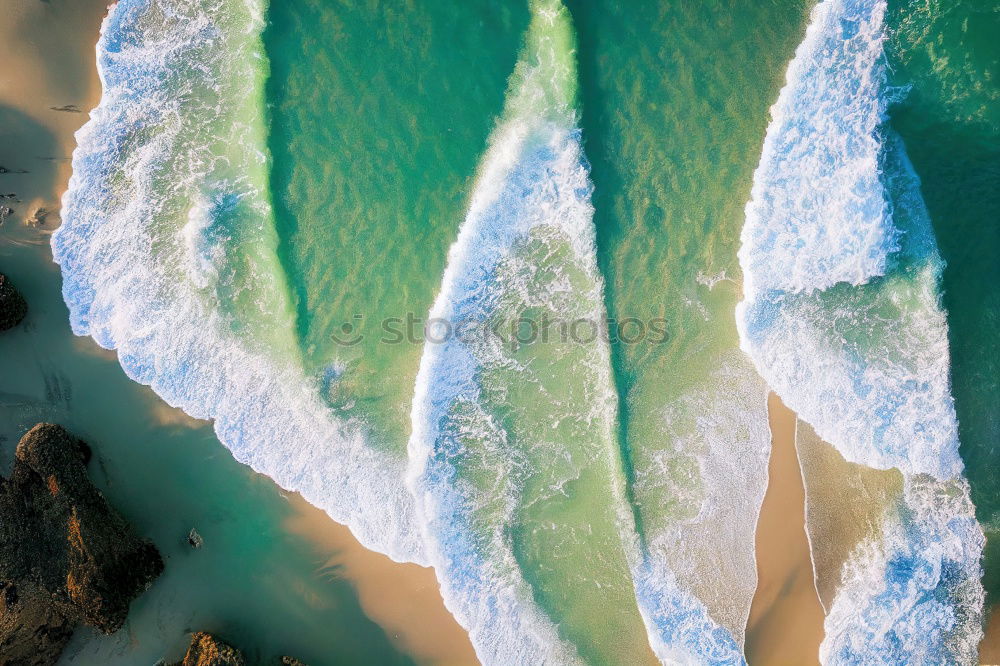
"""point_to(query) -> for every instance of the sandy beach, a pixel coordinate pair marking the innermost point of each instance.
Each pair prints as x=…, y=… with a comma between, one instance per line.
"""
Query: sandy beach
x=794, y=583
x=786, y=618
x=403, y=598
x=47, y=85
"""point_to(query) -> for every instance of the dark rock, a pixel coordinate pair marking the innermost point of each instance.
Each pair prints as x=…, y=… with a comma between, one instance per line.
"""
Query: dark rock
x=70, y=108
x=5, y=212
x=194, y=539
x=33, y=631
x=13, y=307
x=37, y=218
x=207, y=650
x=66, y=556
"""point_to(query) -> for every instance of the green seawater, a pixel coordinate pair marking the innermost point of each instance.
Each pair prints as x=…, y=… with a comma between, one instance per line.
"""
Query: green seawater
x=253, y=582
x=673, y=124
x=379, y=113
x=375, y=152
x=949, y=55
x=519, y=455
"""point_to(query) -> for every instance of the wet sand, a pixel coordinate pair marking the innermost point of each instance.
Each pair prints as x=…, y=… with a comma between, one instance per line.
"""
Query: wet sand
x=989, y=649
x=47, y=50
x=845, y=505
x=786, y=618
x=403, y=598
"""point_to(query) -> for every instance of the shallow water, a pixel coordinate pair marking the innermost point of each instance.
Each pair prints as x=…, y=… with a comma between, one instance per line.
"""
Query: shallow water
x=253, y=582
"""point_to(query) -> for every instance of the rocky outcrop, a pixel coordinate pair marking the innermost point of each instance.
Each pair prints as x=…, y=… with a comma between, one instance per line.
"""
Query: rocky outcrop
x=13, y=307
x=207, y=650
x=37, y=217
x=33, y=631
x=66, y=556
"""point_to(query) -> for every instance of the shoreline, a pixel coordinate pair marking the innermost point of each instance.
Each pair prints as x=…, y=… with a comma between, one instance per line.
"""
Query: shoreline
x=47, y=88
x=989, y=649
x=46, y=91
x=785, y=625
x=404, y=599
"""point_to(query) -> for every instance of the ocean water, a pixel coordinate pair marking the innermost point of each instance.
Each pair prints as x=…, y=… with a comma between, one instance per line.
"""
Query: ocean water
x=673, y=134
x=172, y=173
x=512, y=455
x=255, y=582
x=947, y=57
x=272, y=200
x=373, y=153
x=842, y=316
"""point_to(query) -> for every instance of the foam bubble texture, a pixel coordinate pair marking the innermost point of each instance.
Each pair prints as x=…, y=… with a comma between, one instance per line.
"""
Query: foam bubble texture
x=842, y=317
x=699, y=495
x=817, y=213
x=912, y=595
x=865, y=364
x=167, y=251
x=545, y=184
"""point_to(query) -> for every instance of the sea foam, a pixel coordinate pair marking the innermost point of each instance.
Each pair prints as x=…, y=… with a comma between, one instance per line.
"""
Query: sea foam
x=167, y=251
x=842, y=317
x=514, y=453
x=911, y=593
x=466, y=473
x=853, y=341
x=698, y=484
x=820, y=162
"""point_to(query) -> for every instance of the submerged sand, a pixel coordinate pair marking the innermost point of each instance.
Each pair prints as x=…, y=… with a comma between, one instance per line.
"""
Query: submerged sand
x=404, y=599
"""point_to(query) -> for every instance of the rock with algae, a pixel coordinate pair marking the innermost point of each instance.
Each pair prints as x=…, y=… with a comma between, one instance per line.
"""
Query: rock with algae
x=66, y=556
x=13, y=307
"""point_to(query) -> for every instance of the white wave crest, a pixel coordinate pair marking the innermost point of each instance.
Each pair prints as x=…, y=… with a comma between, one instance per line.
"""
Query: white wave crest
x=864, y=361
x=842, y=317
x=167, y=251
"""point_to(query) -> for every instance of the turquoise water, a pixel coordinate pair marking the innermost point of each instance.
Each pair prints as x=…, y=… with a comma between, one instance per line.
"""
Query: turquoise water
x=373, y=156
x=673, y=134
x=253, y=582
x=264, y=201
x=842, y=316
x=950, y=123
